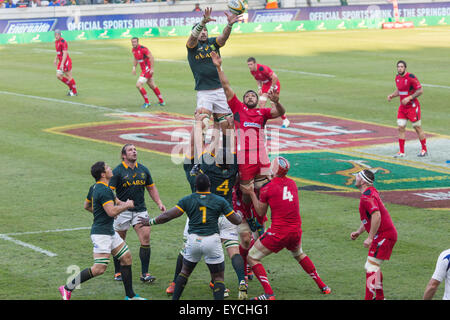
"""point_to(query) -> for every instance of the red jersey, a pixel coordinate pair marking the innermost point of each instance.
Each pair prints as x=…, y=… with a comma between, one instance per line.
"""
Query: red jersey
x=60, y=46
x=281, y=194
x=249, y=124
x=369, y=203
x=141, y=54
x=263, y=73
x=407, y=85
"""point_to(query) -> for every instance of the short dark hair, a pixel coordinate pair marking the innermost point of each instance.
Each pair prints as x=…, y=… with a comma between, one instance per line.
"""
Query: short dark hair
x=202, y=183
x=97, y=169
x=369, y=174
x=401, y=61
x=124, y=150
x=251, y=59
x=248, y=91
x=135, y=38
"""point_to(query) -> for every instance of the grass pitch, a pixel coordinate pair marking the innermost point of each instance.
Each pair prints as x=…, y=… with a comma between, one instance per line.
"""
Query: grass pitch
x=46, y=177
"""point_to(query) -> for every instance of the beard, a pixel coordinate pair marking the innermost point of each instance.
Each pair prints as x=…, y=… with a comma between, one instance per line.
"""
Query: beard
x=251, y=105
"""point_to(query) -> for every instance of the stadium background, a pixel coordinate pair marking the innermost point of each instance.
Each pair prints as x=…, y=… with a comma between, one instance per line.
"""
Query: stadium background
x=341, y=69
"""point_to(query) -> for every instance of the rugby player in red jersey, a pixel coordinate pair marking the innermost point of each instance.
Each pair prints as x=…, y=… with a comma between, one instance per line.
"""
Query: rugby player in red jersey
x=375, y=219
x=63, y=64
x=408, y=89
x=267, y=80
x=144, y=57
x=281, y=195
x=249, y=121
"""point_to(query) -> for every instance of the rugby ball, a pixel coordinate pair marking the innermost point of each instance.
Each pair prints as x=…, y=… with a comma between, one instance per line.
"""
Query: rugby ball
x=236, y=7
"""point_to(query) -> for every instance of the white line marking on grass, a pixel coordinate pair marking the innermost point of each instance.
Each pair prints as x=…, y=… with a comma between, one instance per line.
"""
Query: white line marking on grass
x=45, y=231
x=308, y=73
x=63, y=101
x=435, y=86
x=32, y=247
x=27, y=245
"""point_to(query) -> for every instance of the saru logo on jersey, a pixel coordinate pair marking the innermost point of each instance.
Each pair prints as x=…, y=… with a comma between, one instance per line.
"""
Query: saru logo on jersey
x=204, y=52
x=134, y=183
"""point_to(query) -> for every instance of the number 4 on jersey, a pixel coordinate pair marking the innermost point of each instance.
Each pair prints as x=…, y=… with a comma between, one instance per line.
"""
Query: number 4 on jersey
x=287, y=195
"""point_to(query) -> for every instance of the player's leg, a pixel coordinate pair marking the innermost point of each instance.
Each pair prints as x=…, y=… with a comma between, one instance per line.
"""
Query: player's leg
x=71, y=81
x=192, y=256
x=121, y=225
x=309, y=267
x=98, y=268
x=246, y=241
x=374, y=283
x=123, y=254
x=257, y=252
x=61, y=77
x=414, y=116
x=140, y=86
x=143, y=233
x=401, y=125
x=211, y=249
x=154, y=87
x=217, y=272
x=229, y=236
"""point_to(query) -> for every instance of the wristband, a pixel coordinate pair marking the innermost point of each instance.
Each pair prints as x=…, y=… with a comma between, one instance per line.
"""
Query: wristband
x=230, y=25
x=152, y=221
x=197, y=29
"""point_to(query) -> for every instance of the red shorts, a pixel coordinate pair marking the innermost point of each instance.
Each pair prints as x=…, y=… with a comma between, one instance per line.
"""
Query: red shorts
x=67, y=65
x=266, y=87
x=253, y=164
x=276, y=240
x=411, y=113
x=381, y=247
x=146, y=75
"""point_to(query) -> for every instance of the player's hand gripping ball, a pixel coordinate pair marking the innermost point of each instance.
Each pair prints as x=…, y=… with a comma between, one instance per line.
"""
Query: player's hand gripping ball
x=236, y=7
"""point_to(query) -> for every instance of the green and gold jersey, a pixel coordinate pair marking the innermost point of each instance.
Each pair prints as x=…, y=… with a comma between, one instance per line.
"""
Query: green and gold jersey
x=101, y=195
x=222, y=178
x=131, y=184
x=203, y=210
x=89, y=195
x=204, y=71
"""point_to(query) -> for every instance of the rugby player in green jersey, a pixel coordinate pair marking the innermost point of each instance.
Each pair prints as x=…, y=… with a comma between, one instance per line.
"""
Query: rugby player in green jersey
x=203, y=209
x=130, y=181
x=211, y=98
x=222, y=172
x=106, y=241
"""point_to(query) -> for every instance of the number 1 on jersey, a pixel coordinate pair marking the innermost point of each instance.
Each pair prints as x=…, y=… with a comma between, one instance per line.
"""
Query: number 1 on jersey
x=203, y=210
x=287, y=195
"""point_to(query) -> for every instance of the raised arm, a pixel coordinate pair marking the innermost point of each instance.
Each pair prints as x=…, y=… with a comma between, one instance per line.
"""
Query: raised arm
x=277, y=109
x=195, y=33
x=217, y=61
x=223, y=37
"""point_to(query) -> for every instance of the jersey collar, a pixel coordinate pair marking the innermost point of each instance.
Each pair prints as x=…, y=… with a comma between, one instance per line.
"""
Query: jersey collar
x=126, y=167
x=101, y=182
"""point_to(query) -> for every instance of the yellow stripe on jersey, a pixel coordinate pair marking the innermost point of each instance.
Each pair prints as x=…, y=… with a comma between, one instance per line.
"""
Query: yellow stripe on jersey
x=232, y=211
x=179, y=208
x=107, y=202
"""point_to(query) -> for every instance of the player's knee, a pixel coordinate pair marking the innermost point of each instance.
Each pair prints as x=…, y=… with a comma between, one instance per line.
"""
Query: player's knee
x=372, y=264
x=98, y=269
x=417, y=125
x=401, y=124
x=255, y=254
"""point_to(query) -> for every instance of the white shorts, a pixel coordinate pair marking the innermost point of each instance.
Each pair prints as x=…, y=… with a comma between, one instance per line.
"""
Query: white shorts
x=104, y=243
x=213, y=100
x=228, y=231
x=127, y=218
x=209, y=247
